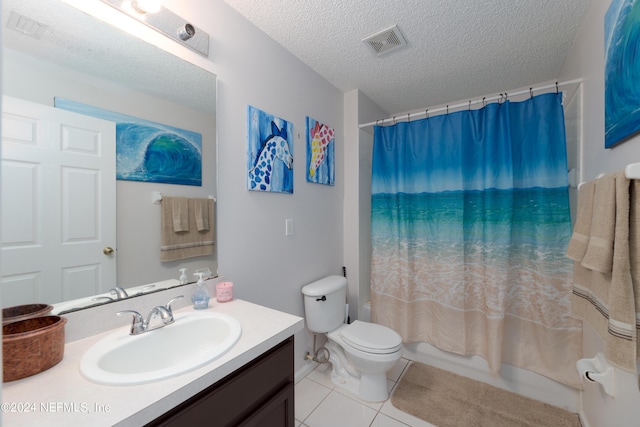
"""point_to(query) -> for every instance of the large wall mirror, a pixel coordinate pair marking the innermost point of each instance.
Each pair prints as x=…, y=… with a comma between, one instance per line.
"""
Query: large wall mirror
x=52, y=50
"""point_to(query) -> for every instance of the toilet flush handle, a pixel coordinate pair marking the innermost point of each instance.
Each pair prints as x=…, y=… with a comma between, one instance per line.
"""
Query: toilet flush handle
x=324, y=298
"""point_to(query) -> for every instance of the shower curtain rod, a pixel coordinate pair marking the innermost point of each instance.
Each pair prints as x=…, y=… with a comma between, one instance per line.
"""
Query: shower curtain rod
x=484, y=100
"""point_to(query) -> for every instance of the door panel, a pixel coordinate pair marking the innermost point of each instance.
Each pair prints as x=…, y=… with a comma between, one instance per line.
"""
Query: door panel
x=58, y=204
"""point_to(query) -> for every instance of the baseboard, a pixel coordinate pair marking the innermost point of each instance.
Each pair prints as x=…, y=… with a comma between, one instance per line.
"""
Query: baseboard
x=304, y=371
x=584, y=422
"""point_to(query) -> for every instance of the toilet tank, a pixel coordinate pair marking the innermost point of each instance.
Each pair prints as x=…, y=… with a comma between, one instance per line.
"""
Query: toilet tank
x=324, y=303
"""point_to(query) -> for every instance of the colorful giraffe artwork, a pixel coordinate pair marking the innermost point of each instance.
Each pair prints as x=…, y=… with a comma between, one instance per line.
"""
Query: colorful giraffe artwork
x=320, y=153
x=269, y=153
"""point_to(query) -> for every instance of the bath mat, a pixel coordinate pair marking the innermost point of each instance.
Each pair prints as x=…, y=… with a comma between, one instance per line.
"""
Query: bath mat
x=445, y=399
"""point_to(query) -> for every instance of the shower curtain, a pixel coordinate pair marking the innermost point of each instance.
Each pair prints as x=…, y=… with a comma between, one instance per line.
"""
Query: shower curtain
x=470, y=224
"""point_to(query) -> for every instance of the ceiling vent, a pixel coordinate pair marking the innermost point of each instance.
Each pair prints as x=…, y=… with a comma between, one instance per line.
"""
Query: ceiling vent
x=25, y=25
x=385, y=41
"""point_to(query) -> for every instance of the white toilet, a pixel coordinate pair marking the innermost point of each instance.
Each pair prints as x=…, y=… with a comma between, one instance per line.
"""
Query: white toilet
x=361, y=353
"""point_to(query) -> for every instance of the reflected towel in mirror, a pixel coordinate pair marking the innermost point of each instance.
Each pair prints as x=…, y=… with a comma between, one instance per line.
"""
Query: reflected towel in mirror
x=179, y=213
x=192, y=243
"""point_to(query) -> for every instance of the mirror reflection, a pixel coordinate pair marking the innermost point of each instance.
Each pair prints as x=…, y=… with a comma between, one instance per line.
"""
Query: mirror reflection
x=51, y=51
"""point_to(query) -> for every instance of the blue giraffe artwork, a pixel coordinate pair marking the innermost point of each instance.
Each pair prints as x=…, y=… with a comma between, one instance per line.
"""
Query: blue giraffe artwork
x=269, y=152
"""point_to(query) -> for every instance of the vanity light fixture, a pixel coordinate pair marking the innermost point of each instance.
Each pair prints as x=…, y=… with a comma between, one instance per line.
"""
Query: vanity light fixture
x=154, y=15
x=146, y=6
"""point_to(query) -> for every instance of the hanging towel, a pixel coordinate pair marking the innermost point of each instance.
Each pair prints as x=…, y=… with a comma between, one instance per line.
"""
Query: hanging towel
x=582, y=228
x=181, y=245
x=201, y=210
x=179, y=213
x=605, y=291
x=599, y=255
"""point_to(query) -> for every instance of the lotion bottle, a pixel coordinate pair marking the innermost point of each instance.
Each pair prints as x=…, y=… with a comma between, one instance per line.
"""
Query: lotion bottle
x=183, y=276
x=201, y=296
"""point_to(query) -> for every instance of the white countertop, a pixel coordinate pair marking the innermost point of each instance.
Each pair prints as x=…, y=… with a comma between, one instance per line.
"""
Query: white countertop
x=61, y=396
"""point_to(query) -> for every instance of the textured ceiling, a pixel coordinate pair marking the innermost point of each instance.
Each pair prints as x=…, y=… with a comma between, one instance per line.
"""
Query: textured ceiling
x=456, y=49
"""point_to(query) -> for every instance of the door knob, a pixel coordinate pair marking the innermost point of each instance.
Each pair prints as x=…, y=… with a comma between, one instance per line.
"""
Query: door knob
x=108, y=250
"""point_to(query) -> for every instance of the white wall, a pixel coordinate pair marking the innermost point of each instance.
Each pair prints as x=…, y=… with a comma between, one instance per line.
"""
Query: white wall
x=266, y=266
x=357, y=206
x=586, y=60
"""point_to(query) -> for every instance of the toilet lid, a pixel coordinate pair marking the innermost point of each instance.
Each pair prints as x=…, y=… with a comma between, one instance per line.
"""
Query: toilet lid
x=371, y=337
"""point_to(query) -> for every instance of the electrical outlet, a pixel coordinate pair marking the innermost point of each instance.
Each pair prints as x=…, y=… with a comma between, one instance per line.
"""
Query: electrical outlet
x=288, y=224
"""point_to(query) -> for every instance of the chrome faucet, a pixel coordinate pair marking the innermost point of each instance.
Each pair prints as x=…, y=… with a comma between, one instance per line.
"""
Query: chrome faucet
x=157, y=318
x=119, y=292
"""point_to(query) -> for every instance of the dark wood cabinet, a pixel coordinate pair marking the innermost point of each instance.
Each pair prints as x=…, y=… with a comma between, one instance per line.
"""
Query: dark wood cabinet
x=261, y=393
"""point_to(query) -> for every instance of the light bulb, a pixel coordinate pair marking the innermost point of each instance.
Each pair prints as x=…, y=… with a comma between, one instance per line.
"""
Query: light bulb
x=146, y=6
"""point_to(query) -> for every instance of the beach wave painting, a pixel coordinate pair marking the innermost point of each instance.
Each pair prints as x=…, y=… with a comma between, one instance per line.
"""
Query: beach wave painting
x=149, y=151
x=622, y=71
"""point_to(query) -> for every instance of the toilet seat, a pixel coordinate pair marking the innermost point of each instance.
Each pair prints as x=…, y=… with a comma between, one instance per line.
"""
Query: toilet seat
x=371, y=338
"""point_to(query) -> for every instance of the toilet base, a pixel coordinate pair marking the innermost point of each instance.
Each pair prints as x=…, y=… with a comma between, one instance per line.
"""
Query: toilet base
x=369, y=387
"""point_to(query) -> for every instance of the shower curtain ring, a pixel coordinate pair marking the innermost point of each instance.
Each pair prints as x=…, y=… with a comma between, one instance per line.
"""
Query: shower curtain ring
x=394, y=120
x=557, y=92
x=469, y=105
x=426, y=113
x=447, y=110
x=484, y=104
x=409, y=117
x=506, y=97
x=531, y=92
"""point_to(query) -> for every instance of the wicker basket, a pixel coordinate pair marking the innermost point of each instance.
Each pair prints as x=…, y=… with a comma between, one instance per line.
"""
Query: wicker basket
x=20, y=312
x=31, y=346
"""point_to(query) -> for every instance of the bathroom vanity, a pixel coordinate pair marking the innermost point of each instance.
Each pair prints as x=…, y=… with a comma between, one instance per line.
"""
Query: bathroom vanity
x=251, y=384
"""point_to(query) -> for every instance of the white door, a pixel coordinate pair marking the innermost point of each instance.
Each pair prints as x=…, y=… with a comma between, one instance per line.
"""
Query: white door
x=58, y=209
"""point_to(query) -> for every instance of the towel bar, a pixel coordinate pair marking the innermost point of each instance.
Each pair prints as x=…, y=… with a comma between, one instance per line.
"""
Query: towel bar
x=632, y=171
x=156, y=197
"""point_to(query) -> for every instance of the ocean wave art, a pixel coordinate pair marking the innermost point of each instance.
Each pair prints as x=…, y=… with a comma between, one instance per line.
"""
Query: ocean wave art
x=622, y=69
x=148, y=151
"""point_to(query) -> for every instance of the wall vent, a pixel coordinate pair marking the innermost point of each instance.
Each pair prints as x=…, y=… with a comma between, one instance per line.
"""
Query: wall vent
x=385, y=41
x=25, y=25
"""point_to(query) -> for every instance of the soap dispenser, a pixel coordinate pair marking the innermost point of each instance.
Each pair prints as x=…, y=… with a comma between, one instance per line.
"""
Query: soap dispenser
x=183, y=276
x=201, y=296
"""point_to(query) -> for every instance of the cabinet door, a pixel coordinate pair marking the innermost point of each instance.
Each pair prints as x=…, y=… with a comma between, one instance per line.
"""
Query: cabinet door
x=279, y=411
x=261, y=393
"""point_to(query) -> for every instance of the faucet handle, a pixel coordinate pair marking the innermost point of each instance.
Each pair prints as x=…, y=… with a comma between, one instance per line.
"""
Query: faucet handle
x=168, y=306
x=138, y=321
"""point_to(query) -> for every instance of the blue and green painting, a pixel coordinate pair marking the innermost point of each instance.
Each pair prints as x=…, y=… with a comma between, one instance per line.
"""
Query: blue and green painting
x=622, y=70
x=149, y=151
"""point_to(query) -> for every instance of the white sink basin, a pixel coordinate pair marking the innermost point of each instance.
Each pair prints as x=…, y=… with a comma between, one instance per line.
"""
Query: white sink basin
x=194, y=339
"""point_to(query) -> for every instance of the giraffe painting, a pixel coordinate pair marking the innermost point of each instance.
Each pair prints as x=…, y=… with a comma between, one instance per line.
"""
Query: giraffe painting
x=270, y=153
x=320, y=153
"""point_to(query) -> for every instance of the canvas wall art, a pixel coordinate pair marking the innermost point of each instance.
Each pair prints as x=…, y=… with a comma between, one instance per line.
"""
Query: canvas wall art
x=320, y=153
x=622, y=94
x=149, y=151
x=269, y=152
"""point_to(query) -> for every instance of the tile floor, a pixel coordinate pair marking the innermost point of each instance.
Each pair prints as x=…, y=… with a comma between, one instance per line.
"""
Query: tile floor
x=319, y=404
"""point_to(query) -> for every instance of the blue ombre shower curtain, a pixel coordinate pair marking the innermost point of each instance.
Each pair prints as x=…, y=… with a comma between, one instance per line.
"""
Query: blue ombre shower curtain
x=470, y=223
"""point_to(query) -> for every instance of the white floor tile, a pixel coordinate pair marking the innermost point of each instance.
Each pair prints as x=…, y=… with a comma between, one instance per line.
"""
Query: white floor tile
x=309, y=394
x=394, y=373
x=322, y=375
x=373, y=405
x=339, y=410
x=383, y=420
x=391, y=411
